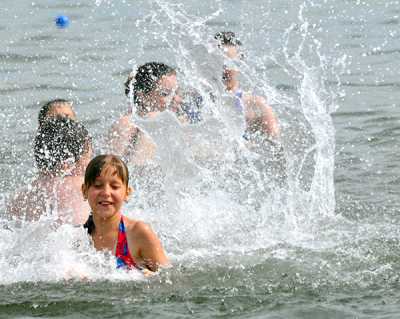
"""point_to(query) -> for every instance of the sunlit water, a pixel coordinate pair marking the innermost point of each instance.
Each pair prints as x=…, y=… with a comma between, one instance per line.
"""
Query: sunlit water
x=316, y=238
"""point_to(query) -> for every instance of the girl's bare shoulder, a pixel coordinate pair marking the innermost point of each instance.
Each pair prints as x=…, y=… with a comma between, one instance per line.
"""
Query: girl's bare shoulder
x=137, y=228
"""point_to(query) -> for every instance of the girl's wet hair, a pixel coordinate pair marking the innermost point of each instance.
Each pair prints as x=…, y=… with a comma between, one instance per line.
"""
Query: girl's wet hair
x=100, y=163
x=94, y=169
x=60, y=140
x=145, y=79
x=45, y=109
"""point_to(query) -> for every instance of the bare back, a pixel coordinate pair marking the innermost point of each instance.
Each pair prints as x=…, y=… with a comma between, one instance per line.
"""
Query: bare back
x=51, y=195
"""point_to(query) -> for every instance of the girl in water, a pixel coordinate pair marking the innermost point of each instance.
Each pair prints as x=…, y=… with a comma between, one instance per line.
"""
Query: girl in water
x=152, y=90
x=134, y=243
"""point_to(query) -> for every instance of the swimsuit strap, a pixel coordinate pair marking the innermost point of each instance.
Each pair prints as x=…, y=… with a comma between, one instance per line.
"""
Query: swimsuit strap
x=124, y=257
x=239, y=93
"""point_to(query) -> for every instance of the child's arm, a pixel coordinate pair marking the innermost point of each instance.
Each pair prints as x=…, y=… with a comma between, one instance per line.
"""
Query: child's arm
x=260, y=114
x=149, y=247
x=120, y=136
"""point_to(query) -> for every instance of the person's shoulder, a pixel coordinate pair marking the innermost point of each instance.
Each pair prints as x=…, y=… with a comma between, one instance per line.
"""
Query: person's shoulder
x=28, y=201
x=136, y=226
x=124, y=120
x=121, y=122
x=254, y=99
x=17, y=201
x=69, y=181
x=27, y=192
x=260, y=100
x=69, y=187
x=124, y=125
x=138, y=229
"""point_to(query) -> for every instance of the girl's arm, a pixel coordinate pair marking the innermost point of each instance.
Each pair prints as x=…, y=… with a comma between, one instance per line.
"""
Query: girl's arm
x=270, y=122
x=260, y=115
x=148, y=246
x=120, y=136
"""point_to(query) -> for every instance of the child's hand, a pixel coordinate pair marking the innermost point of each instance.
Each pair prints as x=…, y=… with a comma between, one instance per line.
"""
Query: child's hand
x=148, y=273
x=75, y=272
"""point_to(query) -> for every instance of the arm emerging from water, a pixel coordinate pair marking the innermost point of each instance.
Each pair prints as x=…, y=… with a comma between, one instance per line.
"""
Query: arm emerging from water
x=128, y=141
x=121, y=136
x=260, y=116
x=148, y=249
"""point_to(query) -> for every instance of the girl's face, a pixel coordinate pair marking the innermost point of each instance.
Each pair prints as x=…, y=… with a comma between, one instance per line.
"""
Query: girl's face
x=107, y=194
x=165, y=95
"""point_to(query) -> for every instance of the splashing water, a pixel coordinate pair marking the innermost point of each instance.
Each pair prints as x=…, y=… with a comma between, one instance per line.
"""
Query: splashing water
x=206, y=193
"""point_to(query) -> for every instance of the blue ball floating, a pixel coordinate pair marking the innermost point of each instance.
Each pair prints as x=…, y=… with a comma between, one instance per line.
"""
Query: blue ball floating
x=62, y=21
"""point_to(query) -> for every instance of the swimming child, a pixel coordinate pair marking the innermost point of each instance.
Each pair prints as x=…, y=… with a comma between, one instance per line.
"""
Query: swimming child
x=262, y=132
x=106, y=188
x=56, y=108
x=155, y=89
x=258, y=114
x=62, y=150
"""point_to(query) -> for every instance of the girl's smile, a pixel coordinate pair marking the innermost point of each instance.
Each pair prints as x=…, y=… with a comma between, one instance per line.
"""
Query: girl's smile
x=108, y=193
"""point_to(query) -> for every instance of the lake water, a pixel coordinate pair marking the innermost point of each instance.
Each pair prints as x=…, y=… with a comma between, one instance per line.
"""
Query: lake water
x=324, y=244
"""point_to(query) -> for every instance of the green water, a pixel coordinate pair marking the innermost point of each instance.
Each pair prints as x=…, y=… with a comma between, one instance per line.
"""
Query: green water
x=261, y=291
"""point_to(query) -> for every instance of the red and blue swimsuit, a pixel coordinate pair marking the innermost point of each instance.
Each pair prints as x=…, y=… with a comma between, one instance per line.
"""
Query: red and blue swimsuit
x=124, y=257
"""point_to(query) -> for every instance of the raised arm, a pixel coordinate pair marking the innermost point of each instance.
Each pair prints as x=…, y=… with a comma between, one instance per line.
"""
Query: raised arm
x=260, y=116
x=121, y=136
x=125, y=139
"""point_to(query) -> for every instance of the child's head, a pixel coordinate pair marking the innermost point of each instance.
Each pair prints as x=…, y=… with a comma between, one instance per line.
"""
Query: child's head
x=106, y=185
x=103, y=163
x=153, y=86
x=60, y=144
x=227, y=38
x=228, y=42
x=98, y=171
x=56, y=108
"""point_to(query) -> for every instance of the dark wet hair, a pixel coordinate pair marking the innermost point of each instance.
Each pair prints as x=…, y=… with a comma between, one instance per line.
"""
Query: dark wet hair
x=59, y=139
x=89, y=225
x=227, y=38
x=45, y=109
x=145, y=79
x=94, y=169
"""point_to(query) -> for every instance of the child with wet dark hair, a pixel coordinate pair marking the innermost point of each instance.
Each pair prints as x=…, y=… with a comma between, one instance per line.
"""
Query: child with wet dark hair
x=227, y=38
x=62, y=150
x=148, y=78
x=153, y=89
x=58, y=141
x=145, y=79
x=262, y=132
x=106, y=188
x=259, y=116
